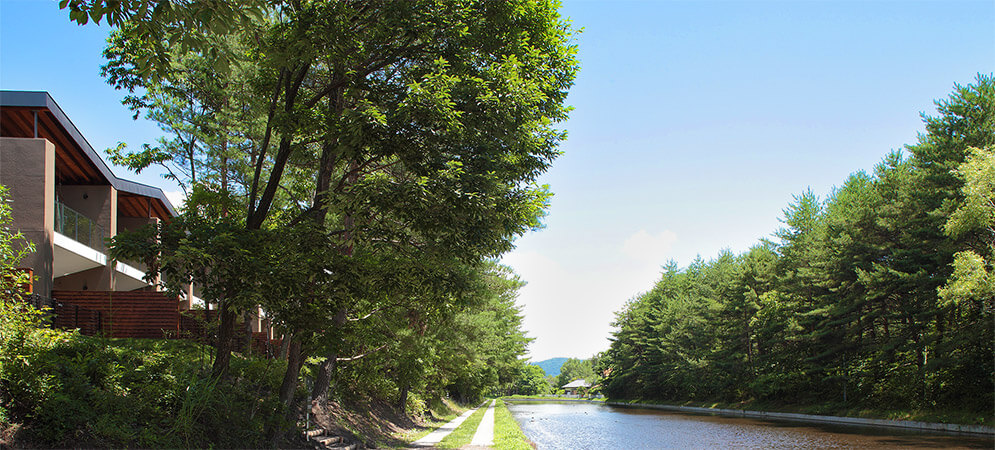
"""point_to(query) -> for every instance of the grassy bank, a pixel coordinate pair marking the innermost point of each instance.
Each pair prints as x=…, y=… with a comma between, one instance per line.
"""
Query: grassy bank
x=507, y=433
x=438, y=418
x=377, y=424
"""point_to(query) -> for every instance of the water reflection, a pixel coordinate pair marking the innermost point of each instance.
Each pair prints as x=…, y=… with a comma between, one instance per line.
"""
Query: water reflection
x=586, y=425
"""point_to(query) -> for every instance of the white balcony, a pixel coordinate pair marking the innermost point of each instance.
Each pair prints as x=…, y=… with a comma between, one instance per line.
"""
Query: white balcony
x=72, y=256
x=128, y=278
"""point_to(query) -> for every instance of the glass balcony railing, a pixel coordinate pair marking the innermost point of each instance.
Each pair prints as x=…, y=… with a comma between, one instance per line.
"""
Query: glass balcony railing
x=80, y=228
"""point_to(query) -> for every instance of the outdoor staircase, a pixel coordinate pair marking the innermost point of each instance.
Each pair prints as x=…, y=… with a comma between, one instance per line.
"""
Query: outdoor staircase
x=320, y=440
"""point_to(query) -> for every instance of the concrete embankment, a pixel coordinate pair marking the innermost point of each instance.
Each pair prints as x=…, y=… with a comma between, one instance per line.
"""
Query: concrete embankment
x=551, y=399
x=927, y=427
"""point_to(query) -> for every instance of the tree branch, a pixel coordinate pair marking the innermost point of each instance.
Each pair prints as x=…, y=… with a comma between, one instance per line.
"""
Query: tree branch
x=262, y=148
x=257, y=217
x=372, y=65
x=353, y=358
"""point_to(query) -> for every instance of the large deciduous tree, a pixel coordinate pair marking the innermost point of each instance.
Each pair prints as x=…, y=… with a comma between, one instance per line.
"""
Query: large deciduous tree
x=380, y=136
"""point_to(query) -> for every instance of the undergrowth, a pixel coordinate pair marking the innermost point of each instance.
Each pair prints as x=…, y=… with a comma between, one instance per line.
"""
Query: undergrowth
x=60, y=388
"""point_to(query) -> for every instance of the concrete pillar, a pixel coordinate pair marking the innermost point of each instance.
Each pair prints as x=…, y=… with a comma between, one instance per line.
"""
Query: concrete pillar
x=187, y=303
x=257, y=320
x=27, y=169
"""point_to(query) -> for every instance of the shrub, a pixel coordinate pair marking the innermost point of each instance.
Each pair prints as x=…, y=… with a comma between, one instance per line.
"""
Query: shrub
x=69, y=389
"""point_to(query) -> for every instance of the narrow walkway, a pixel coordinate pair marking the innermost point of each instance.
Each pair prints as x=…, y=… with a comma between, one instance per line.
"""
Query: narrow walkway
x=436, y=436
x=485, y=431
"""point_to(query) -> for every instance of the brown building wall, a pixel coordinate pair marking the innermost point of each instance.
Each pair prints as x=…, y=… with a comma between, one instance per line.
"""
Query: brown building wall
x=125, y=223
x=27, y=168
x=98, y=203
x=95, y=279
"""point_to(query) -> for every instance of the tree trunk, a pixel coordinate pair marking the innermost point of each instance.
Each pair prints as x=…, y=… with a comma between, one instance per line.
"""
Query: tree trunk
x=749, y=344
x=284, y=347
x=402, y=398
x=246, y=344
x=323, y=379
x=329, y=157
x=207, y=322
x=921, y=370
x=226, y=331
x=295, y=359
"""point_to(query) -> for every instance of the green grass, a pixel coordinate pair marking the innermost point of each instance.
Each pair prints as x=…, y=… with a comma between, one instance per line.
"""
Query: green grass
x=431, y=426
x=463, y=434
x=507, y=433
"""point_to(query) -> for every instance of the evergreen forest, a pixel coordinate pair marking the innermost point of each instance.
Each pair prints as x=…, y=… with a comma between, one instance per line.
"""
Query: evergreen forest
x=879, y=296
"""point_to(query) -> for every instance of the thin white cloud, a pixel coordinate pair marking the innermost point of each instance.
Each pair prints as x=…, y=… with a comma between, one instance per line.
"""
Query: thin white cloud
x=177, y=198
x=570, y=302
x=643, y=246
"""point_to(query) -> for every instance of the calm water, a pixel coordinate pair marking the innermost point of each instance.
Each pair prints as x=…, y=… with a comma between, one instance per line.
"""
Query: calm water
x=586, y=425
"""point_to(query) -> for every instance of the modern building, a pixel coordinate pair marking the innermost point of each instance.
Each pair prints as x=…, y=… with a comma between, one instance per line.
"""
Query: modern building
x=66, y=200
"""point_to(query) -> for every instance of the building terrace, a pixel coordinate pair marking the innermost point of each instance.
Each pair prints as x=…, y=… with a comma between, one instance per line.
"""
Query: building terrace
x=67, y=201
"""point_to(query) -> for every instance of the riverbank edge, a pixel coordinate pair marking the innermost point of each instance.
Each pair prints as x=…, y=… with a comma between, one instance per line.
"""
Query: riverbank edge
x=508, y=432
x=913, y=425
x=550, y=399
x=931, y=427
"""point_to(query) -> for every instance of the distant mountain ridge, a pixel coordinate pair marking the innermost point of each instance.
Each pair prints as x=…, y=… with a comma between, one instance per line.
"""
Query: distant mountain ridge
x=551, y=366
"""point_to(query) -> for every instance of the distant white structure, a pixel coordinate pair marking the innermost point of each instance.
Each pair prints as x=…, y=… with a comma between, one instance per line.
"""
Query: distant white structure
x=571, y=388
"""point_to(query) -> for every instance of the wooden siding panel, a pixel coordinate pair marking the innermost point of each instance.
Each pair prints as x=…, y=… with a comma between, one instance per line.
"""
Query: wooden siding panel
x=77, y=168
x=15, y=123
x=134, y=205
x=137, y=314
x=128, y=314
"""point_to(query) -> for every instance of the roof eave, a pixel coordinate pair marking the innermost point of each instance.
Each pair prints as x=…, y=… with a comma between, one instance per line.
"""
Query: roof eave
x=42, y=99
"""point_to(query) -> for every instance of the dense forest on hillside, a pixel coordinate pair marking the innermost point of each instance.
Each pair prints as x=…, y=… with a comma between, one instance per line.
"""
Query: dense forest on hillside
x=881, y=295
x=551, y=366
x=534, y=379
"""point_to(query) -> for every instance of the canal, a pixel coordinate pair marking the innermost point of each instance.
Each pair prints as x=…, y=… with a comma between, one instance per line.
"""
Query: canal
x=595, y=426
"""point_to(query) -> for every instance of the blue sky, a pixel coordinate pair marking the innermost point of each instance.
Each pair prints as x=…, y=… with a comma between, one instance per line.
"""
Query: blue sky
x=694, y=124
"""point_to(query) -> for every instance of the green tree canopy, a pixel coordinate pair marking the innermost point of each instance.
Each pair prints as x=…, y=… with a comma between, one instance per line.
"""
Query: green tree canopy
x=879, y=295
